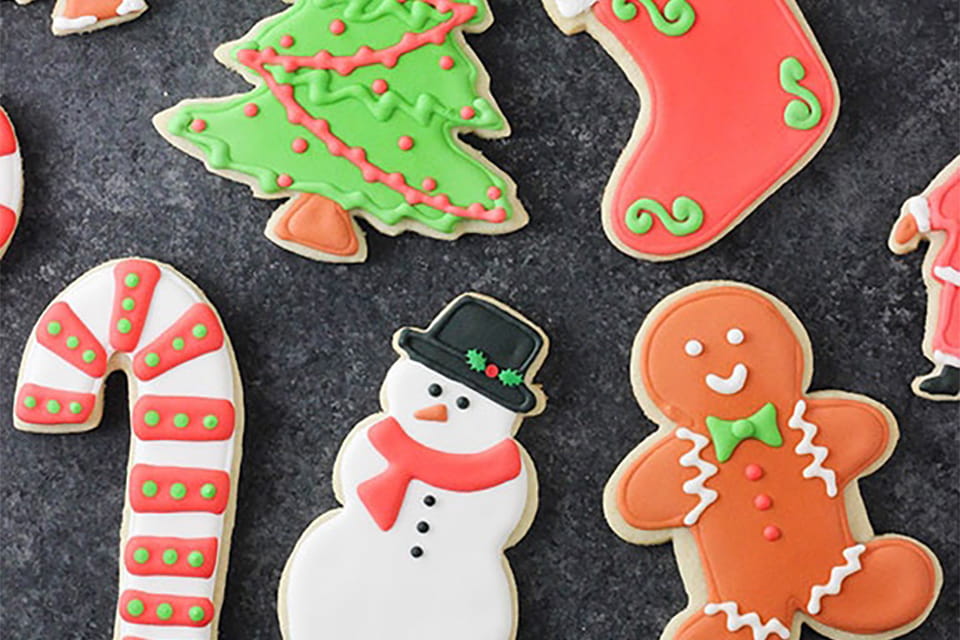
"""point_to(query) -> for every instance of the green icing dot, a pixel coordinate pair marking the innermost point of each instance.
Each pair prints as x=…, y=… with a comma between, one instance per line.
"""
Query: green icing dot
x=128, y=304
x=152, y=418
x=75, y=407
x=149, y=488
x=135, y=608
x=123, y=325
x=178, y=491
x=73, y=342
x=196, y=614
x=200, y=331
x=210, y=422
x=181, y=420
x=141, y=555
x=29, y=402
x=53, y=406
x=54, y=328
x=170, y=556
x=89, y=355
x=164, y=611
x=152, y=359
x=195, y=559
x=131, y=280
x=178, y=344
x=208, y=491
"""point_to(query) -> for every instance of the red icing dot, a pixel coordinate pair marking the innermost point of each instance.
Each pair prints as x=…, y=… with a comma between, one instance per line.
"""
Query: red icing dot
x=284, y=180
x=772, y=533
x=405, y=143
x=446, y=62
x=198, y=125
x=337, y=27
x=762, y=502
x=494, y=193
x=299, y=145
x=380, y=86
x=467, y=113
x=286, y=41
x=753, y=472
x=250, y=109
x=429, y=184
x=492, y=371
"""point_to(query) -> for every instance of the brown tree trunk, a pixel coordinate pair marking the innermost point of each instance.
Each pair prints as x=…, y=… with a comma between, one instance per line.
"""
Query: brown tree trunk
x=318, y=223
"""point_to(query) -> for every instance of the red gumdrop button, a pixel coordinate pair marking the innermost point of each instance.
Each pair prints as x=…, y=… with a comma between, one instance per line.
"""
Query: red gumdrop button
x=380, y=86
x=429, y=184
x=446, y=63
x=299, y=145
x=286, y=41
x=405, y=143
x=337, y=27
x=762, y=502
x=494, y=193
x=250, y=109
x=198, y=125
x=284, y=180
x=753, y=472
x=492, y=371
x=467, y=113
x=772, y=533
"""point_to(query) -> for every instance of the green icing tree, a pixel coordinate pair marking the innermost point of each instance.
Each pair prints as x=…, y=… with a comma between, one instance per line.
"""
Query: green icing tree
x=356, y=110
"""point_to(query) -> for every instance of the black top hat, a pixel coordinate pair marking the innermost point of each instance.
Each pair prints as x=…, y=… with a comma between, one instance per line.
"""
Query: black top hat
x=481, y=345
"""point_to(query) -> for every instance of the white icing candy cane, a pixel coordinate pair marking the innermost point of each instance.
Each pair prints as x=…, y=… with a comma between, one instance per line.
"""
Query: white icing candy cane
x=187, y=421
x=11, y=181
x=806, y=447
x=736, y=620
x=696, y=486
x=837, y=575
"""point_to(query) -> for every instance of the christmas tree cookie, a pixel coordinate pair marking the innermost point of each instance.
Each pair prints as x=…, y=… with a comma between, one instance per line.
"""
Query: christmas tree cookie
x=356, y=110
x=11, y=181
x=736, y=97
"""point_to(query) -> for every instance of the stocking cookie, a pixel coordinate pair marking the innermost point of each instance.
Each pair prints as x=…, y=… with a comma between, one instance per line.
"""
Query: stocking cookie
x=433, y=488
x=11, y=181
x=934, y=215
x=356, y=112
x=735, y=99
x=755, y=479
x=186, y=416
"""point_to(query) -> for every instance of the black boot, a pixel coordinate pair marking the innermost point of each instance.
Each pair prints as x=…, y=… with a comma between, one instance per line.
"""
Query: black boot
x=945, y=384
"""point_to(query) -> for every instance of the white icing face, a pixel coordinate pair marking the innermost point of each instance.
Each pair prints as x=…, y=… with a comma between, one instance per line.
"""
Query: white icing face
x=443, y=414
x=735, y=336
x=724, y=385
x=693, y=348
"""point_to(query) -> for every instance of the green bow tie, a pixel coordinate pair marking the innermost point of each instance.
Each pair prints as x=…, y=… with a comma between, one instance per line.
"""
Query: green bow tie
x=728, y=434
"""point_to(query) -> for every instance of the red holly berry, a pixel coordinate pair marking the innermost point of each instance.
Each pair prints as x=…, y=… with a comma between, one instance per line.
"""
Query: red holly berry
x=492, y=371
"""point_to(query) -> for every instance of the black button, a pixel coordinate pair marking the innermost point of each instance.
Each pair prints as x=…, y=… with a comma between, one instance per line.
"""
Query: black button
x=416, y=552
x=429, y=501
x=423, y=527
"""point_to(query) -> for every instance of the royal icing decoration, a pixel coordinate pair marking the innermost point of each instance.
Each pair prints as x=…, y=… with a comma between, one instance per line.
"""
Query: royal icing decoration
x=433, y=488
x=186, y=419
x=11, y=181
x=934, y=216
x=700, y=160
x=82, y=16
x=778, y=534
x=356, y=111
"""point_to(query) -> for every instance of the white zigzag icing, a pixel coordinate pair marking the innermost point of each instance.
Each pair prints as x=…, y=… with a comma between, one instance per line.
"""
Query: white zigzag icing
x=806, y=447
x=837, y=575
x=695, y=487
x=761, y=631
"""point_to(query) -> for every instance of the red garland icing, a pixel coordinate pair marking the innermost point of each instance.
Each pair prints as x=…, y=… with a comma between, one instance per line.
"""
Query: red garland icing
x=196, y=332
x=164, y=556
x=151, y=604
x=154, y=489
x=45, y=405
x=62, y=332
x=143, y=276
x=183, y=418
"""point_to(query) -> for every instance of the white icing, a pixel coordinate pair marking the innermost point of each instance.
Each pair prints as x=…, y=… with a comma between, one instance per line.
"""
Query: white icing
x=696, y=486
x=948, y=274
x=730, y=385
x=946, y=358
x=347, y=578
x=837, y=575
x=919, y=208
x=806, y=447
x=571, y=8
x=735, y=620
x=62, y=23
x=211, y=375
x=693, y=348
x=735, y=336
x=131, y=6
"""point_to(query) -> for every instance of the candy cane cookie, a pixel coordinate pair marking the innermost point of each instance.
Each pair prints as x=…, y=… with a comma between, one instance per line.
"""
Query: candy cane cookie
x=11, y=181
x=146, y=319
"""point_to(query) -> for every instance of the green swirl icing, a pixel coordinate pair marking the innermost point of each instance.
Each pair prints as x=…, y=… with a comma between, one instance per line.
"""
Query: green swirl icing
x=804, y=112
x=675, y=20
x=686, y=217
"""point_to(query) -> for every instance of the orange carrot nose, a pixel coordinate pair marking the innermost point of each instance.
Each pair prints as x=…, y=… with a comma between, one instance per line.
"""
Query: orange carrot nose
x=436, y=413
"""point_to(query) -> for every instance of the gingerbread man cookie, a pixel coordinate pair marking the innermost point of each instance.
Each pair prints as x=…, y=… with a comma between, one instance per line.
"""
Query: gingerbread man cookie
x=755, y=479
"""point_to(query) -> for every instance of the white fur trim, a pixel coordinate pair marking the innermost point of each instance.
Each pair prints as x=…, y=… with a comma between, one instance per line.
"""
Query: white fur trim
x=572, y=8
x=695, y=487
x=72, y=24
x=919, y=208
x=946, y=358
x=837, y=575
x=131, y=6
x=948, y=274
x=761, y=630
x=806, y=447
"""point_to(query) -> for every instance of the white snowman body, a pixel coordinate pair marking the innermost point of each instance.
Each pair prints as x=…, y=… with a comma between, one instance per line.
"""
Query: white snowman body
x=439, y=572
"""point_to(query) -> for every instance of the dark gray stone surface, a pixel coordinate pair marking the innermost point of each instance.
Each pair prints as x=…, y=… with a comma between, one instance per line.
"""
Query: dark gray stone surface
x=312, y=340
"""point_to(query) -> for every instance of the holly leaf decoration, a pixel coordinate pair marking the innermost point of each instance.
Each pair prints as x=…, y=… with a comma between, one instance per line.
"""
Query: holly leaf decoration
x=510, y=378
x=476, y=360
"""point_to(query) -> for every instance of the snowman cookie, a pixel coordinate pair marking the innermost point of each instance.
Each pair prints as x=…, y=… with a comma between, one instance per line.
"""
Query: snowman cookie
x=11, y=181
x=434, y=488
x=754, y=478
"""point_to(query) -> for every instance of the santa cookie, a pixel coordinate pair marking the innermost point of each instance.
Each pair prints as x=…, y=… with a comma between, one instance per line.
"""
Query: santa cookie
x=433, y=488
x=11, y=181
x=186, y=414
x=736, y=97
x=934, y=216
x=755, y=479
x=356, y=112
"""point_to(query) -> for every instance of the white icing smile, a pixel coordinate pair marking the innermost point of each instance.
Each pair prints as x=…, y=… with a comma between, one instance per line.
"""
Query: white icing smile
x=731, y=384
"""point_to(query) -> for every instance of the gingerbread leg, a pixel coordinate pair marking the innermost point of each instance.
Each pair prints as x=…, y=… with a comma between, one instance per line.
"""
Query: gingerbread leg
x=727, y=622
x=895, y=584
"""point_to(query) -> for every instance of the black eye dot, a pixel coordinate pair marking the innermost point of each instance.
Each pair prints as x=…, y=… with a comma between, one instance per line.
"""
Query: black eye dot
x=434, y=389
x=463, y=402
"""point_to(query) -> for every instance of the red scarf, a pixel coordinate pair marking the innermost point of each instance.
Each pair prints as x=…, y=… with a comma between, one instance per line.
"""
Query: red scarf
x=408, y=460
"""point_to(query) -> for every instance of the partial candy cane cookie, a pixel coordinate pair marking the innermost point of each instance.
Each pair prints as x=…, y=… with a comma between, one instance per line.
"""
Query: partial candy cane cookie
x=82, y=16
x=11, y=181
x=186, y=414
x=754, y=478
x=934, y=216
x=356, y=112
x=736, y=97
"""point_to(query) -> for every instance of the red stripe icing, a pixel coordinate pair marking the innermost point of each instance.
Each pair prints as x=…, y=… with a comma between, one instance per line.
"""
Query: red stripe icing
x=8, y=222
x=183, y=418
x=8, y=141
x=158, y=556
x=61, y=331
x=46, y=405
x=178, y=489
x=134, y=284
x=140, y=607
x=197, y=332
